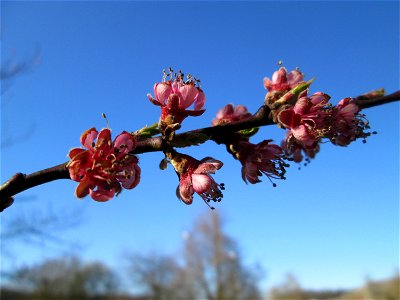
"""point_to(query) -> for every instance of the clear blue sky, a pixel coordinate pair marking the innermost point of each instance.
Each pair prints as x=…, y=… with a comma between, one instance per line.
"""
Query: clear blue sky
x=331, y=224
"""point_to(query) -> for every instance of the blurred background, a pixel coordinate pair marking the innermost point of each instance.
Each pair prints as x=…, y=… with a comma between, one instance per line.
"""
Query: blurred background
x=330, y=231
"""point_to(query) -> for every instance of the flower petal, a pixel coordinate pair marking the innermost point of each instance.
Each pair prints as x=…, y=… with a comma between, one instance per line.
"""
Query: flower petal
x=101, y=195
x=302, y=106
x=104, y=140
x=88, y=137
x=208, y=165
x=186, y=189
x=162, y=91
x=124, y=143
x=201, y=183
x=75, y=151
x=200, y=100
x=188, y=94
x=83, y=187
x=132, y=177
x=288, y=118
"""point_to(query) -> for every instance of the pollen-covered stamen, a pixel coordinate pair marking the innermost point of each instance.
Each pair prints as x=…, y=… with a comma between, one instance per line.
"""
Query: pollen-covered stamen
x=213, y=194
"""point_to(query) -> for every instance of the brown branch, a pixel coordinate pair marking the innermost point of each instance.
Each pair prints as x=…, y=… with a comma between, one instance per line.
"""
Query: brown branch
x=364, y=102
x=20, y=182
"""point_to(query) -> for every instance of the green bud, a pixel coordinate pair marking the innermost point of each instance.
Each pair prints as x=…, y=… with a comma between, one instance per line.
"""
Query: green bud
x=249, y=132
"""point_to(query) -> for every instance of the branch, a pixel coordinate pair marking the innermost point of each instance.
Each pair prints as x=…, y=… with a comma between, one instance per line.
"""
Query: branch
x=21, y=182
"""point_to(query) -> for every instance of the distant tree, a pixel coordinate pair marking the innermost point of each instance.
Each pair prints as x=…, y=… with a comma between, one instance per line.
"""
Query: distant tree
x=210, y=268
x=66, y=278
x=213, y=262
x=290, y=289
x=156, y=273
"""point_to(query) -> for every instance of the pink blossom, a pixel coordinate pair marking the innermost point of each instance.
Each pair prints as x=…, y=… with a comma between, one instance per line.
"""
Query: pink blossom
x=347, y=124
x=262, y=158
x=104, y=165
x=175, y=96
x=281, y=81
x=230, y=114
x=294, y=150
x=194, y=177
x=308, y=119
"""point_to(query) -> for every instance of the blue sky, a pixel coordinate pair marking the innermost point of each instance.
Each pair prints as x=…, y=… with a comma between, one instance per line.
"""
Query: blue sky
x=331, y=224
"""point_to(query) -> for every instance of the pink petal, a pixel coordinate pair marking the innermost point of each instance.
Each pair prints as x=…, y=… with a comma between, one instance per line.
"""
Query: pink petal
x=302, y=106
x=78, y=165
x=294, y=78
x=240, y=110
x=188, y=93
x=176, y=85
x=226, y=111
x=162, y=91
x=319, y=98
x=133, y=179
x=186, y=189
x=104, y=139
x=88, y=137
x=301, y=134
x=124, y=142
x=208, y=165
x=201, y=183
x=250, y=173
x=350, y=110
x=289, y=118
x=279, y=76
x=83, y=187
x=75, y=151
x=268, y=84
x=343, y=102
x=200, y=100
x=102, y=195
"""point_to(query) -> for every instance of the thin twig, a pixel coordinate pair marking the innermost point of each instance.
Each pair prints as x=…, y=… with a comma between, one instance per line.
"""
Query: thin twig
x=21, y=182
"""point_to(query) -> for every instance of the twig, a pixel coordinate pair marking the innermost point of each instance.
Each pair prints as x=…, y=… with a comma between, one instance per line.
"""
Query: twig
x=21, y=182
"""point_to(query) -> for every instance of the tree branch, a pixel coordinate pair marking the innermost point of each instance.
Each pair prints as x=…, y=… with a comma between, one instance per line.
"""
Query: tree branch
x=21, y=182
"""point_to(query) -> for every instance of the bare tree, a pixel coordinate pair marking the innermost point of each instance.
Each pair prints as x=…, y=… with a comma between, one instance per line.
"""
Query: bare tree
x=214, y=264
x=156, y=273
x=66, y=278
x=211, y=267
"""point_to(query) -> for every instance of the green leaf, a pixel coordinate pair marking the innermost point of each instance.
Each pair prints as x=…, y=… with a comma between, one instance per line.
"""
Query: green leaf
x=249, y=132
x=194, y=139
x=148, y=131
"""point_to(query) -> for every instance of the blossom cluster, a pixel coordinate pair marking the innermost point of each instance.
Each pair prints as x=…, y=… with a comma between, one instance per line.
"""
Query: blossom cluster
x=104, y=166
x=312, y=118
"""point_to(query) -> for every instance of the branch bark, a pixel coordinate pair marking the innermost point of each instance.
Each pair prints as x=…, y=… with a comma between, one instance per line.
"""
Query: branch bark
x=21, y=182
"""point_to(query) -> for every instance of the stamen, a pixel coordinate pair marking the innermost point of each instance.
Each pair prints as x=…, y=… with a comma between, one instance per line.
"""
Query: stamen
x=105, y=117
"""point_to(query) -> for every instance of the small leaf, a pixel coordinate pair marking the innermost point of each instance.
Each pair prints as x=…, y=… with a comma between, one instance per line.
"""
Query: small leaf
x=249, y=132
x=148, y=131
x=194, y=139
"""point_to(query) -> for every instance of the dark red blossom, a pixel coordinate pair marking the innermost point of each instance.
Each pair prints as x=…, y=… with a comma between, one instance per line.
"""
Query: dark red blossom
x=104, y=165
x=258, y=159
x=347, y=123
x=308, y=120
